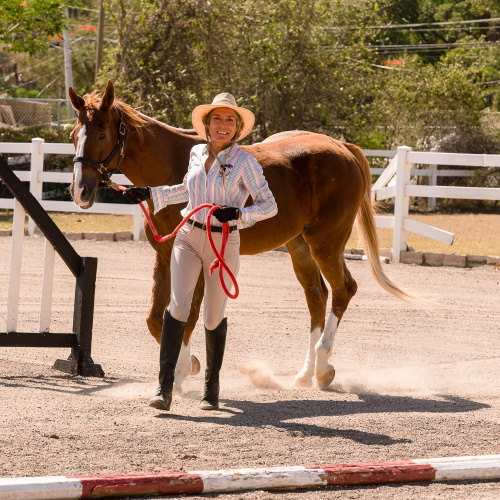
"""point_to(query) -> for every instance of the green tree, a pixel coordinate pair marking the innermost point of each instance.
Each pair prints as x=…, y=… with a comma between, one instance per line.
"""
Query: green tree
x=26, y=25
x=423, y=106
x=414, y=22
x=307, y=64
x=274, y=56
x=43, y=71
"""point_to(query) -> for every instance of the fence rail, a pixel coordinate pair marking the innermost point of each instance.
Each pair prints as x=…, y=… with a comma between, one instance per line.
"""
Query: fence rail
x=36, y=176
x=393, y=182
x=399, y=171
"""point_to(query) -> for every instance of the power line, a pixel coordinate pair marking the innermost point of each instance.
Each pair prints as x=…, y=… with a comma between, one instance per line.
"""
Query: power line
x=476, y=28
x=423, y=47
x=415, y=25
x=428, y=46
x=418, y=25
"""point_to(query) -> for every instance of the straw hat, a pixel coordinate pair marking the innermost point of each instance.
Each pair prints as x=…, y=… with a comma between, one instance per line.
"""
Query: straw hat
x=223, y=100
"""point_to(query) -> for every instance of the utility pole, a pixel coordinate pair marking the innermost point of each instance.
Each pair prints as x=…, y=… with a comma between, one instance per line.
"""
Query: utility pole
x=100, y=39
x=68, y=70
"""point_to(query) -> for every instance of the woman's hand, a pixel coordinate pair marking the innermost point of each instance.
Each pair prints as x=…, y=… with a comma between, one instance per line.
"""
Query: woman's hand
x=137, y=194
x=225, y=214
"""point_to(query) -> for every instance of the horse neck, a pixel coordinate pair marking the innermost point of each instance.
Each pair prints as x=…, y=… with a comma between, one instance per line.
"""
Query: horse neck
x=161, y=157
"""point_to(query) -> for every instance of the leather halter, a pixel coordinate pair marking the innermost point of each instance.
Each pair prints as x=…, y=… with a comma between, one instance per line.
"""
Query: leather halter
x=123, y=133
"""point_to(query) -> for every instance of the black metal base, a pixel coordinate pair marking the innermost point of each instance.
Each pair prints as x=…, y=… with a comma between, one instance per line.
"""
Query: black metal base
x=85, y=368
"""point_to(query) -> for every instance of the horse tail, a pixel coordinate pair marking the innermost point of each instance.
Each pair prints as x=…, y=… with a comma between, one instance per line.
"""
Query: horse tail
x=367, y=229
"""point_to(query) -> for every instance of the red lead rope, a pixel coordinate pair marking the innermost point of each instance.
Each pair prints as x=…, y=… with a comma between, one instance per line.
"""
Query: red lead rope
x=219, y=261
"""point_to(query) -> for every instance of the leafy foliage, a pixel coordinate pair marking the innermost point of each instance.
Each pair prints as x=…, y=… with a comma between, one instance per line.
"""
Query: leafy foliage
x=25, y=25
x=53, y=135
x=273, y=56
x=322, y=65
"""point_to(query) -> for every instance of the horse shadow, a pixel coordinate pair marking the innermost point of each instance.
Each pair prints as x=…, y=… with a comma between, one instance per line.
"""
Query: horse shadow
x=282, y=415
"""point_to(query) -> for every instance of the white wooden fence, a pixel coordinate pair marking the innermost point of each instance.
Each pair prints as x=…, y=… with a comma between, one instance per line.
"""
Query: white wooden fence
x=400, y=169
x=36, y=176
x=394, y=182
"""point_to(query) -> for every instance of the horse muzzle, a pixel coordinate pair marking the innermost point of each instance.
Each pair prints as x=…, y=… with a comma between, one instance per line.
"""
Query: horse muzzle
x=83, y=192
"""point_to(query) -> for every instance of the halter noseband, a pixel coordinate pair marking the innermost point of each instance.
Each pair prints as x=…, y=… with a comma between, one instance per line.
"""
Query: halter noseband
x=123, y=133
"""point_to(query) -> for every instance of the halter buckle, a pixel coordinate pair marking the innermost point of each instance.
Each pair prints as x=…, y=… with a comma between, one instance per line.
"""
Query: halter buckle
x=122, y=129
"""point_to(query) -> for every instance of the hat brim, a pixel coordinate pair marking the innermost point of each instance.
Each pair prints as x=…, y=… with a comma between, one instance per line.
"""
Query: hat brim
x=200, y=111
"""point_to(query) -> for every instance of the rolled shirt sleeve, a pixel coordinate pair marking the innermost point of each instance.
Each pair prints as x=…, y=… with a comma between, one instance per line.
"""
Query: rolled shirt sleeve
x=264, y=204
x=168, y=195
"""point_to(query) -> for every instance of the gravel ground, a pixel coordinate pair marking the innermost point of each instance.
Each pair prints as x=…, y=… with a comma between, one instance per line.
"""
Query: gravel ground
x=412, y=382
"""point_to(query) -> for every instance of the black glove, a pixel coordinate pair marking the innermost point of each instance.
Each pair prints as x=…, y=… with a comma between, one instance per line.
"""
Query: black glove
x=137, y=194
x=225, y=214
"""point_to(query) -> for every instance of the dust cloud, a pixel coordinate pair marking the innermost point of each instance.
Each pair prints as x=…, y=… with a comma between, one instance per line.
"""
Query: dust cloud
x=261, y=375
x=390, y=381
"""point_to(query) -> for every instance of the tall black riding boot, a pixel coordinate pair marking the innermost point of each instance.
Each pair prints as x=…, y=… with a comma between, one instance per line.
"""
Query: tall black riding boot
x=170, y=347
x=215, y=343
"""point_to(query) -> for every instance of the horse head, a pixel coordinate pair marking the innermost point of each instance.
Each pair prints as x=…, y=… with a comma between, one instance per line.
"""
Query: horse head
x=98, y=136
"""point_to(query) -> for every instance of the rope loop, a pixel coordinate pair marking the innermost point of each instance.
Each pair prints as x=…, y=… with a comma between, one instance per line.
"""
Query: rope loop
x=219, y=261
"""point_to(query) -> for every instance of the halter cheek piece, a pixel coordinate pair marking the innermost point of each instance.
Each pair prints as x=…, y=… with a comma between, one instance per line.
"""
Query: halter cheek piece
x=123, y=133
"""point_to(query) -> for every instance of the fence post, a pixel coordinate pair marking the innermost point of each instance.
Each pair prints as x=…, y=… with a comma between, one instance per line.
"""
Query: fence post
x=138, y=222
x=401, y=203
x=16, y=258
x=431, y=202
x=36, y=186
x=80, y=361
x=47, y=287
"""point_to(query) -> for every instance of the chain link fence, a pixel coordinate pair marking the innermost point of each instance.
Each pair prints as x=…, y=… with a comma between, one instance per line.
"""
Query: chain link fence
x=20, y=113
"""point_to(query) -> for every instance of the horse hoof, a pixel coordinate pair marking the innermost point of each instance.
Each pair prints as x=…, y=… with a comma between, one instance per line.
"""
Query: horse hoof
x=325, y=381
x=195, y=365
x=301, y=381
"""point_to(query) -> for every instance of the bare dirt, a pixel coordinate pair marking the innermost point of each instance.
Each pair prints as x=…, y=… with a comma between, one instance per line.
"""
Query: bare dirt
x=412, y=382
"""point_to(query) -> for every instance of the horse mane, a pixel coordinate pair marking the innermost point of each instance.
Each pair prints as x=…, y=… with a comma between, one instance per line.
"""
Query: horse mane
x=135, y=120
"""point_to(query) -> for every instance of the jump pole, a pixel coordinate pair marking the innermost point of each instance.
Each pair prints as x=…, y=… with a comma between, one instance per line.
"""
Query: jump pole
x=483, y=467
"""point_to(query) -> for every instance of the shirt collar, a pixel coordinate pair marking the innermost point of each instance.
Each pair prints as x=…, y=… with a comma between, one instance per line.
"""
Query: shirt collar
x=224, y=152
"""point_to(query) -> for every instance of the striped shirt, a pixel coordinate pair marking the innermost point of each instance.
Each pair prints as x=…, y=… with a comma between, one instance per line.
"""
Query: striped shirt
x=244, y=178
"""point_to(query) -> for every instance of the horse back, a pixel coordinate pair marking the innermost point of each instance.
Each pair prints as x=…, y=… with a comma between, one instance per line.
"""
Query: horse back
x=315, y=180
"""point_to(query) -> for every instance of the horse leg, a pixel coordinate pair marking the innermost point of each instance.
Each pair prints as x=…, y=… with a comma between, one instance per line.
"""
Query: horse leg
x=316, y=292
x=160, y=298
x=344, y=287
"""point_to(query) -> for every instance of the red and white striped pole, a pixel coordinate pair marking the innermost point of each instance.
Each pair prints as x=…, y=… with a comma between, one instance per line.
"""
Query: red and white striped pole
x=194, y=483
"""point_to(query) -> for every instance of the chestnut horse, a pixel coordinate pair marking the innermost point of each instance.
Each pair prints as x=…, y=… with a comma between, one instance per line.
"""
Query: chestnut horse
x=320, y=185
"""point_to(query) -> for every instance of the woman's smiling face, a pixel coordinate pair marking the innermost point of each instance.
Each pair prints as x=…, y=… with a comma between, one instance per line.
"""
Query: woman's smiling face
x=222, y=127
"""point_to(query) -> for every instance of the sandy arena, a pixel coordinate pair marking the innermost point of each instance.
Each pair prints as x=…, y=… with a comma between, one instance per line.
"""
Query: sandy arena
x=412, y=382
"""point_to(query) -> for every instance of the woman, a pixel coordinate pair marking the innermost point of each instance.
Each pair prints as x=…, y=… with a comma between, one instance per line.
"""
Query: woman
x=219, y=173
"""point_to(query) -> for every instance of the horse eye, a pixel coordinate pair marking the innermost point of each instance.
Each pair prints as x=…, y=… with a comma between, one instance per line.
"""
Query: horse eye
x=102, y=137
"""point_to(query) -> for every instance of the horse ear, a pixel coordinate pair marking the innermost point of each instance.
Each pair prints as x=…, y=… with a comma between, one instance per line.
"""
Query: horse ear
x=108, y=97
x=77, y=101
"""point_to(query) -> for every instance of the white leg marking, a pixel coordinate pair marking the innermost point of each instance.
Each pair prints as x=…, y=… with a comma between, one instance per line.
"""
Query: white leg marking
x=305, y=376
x=77, y=170
x=324, y=371
x=183, y=367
